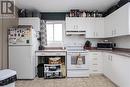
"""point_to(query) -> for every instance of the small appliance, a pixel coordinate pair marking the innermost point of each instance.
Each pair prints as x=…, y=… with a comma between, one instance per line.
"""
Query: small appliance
x=106, y=45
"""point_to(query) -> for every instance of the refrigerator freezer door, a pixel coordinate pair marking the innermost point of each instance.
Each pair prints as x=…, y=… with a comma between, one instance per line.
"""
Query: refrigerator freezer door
x=21, y=60
x=20, y=36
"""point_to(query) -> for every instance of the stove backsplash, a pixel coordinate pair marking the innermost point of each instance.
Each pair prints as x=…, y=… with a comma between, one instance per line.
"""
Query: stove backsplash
x=79, y=41
x=121, y=42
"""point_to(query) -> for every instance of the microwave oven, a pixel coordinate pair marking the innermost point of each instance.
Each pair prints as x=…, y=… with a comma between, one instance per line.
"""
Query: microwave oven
x=106, y=45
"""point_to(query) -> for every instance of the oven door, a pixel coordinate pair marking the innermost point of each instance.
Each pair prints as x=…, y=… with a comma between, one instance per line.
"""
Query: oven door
x=77, y=61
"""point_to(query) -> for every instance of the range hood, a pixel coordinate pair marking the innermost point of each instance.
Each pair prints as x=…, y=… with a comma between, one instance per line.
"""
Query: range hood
x=75, y=32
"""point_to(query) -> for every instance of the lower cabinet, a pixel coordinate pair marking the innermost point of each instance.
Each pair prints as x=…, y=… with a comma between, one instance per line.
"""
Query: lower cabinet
x=116, y=68
x=95, y=62
x=107, y=65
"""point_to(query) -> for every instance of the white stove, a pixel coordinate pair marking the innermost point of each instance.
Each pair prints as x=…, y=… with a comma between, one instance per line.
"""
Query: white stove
x=76, y=49
x=77, y=62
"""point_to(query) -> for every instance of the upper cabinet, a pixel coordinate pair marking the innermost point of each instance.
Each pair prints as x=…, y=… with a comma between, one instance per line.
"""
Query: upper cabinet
x=75, y=24
x=108, y=31
x=94, y=27
x=117, y=23
x=34, y=21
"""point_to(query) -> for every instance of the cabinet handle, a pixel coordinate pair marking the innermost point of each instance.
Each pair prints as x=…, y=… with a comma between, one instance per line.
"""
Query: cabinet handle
x=94, y=54
x=77, y=27
x=95, y=64
x=95, y=59
x=112, y=32
x=96, y=34
x=93, y=33
x=95, y=70
x=74, y=26
x=115, y=31
x=111, y=58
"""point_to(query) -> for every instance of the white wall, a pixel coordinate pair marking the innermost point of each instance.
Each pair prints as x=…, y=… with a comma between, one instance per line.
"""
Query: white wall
x=122, y=42
x=0, y=44
x=72, y=40
x=6, y=23
x=77, y=40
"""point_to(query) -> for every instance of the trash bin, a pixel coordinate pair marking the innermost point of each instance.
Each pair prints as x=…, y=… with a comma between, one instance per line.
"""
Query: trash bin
x=7, y=78
x=40, y=69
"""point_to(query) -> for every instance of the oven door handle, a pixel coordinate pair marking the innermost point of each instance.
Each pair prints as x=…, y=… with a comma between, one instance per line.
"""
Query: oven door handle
x=72, y=54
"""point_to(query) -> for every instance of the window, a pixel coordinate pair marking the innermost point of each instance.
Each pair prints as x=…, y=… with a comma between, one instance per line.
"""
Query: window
x=54, y=32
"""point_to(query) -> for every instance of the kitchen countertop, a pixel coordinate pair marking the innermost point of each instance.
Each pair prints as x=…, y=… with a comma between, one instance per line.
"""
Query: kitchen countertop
x=126, y=54
x=56, y=50
x=52, y=50
x=118, y=51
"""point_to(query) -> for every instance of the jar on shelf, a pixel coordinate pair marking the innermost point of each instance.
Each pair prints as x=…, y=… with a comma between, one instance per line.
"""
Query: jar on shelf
x=84, y=14
x=88, y=14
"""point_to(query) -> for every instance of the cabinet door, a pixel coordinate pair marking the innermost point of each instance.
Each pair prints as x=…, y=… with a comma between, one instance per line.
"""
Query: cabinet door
x=107, y=29
x=107, y=65
x=81, y=24
x=90, y=31
x=75, y=24
x=122, y=21
x=115, y=67
x=109, y=25
x=117, y=23
x=99, y=27
x=95, y=28
x=120, y=70
x=71, y=24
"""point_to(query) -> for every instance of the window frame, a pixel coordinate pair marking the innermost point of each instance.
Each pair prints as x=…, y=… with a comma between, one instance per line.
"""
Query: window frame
x=56, y=22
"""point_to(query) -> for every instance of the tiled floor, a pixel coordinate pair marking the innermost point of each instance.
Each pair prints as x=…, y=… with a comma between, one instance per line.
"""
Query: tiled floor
x=92, y=81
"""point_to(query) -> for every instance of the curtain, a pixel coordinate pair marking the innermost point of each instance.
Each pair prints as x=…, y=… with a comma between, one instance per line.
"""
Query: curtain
x=43, y=33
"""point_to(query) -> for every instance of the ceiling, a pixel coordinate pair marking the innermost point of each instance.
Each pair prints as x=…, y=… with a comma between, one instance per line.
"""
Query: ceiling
x=65, y=5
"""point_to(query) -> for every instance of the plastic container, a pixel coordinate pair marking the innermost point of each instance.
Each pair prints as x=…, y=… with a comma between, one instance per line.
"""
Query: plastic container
x=7, y=78
x=40, y=69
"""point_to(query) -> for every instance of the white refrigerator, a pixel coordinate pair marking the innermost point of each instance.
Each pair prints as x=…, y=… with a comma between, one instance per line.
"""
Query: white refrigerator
x=22, y=43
